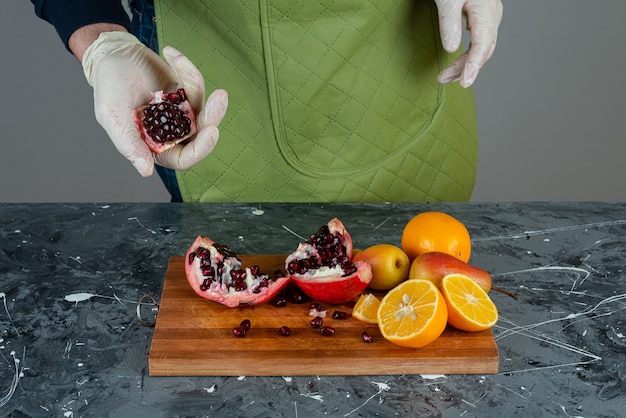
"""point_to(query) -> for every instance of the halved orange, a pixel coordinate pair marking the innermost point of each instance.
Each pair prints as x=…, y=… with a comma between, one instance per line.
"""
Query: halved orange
x=412, y=314
x=366, y=308
x=436, y=231
x=469, y=306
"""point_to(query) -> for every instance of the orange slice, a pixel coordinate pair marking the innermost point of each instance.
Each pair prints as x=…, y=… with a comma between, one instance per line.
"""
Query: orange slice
x=412, y=314
x=366, y=309
x=469, y=306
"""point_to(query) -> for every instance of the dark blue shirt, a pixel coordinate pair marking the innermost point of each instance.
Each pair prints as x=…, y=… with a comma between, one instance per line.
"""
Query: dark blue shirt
x=68, y=15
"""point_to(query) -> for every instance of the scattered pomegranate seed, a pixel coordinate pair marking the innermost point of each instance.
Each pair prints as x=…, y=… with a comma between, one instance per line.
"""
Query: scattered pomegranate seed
x=245, y=324
x=367, y=337
x=280, y=301
x=316, y=307
x=316, y=322
x=239, y=332
x=284, y=331
x=297, y=296
x=340, y=315
x=327, y=331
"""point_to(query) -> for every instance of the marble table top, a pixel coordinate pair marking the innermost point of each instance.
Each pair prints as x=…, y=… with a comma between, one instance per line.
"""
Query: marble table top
x=71, y=344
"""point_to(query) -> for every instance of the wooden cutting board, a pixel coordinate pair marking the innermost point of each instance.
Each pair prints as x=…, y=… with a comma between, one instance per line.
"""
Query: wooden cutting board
x=193, y=337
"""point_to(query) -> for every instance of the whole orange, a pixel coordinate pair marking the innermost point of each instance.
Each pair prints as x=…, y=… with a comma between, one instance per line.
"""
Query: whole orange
x=436, y=231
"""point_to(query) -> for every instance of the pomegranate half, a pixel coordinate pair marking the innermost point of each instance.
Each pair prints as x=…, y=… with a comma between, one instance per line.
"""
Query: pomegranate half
x=216, y=273
x=166, y=121
x=323, y=269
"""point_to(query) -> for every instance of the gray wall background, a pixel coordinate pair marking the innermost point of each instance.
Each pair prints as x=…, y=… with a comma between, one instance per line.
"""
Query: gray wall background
x=550, y=103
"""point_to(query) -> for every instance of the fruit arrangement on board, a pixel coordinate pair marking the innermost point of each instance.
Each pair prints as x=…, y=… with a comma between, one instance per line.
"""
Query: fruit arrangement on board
x=412, y=291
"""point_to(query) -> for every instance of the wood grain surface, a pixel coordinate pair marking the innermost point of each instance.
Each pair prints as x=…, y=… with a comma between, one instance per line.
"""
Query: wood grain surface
x=193, y=337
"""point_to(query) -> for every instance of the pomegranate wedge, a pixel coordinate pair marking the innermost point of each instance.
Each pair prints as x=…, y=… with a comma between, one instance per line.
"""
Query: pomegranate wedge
x=216, y=273
x=323, y=269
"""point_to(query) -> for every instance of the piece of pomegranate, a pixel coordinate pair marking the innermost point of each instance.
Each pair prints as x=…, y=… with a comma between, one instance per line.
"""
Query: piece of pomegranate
x=166, y=121
x=322, y=266
x=216, y=273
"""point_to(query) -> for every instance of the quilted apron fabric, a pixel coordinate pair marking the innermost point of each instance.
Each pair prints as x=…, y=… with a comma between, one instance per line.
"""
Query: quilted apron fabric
x=328, y=101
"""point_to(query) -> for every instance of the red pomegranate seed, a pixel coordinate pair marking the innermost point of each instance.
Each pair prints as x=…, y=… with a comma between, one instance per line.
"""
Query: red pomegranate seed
x=316, y=322
x=297, y=296
x=340, y=315
x=327, y=331
x=239, y=332
x=284, y=331
x=367, y=337
x=245, y=324
x=279, y=301
x=316, y=307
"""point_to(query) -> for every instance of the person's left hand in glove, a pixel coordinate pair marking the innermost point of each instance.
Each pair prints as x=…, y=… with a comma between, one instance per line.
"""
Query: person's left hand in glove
x=483, y=18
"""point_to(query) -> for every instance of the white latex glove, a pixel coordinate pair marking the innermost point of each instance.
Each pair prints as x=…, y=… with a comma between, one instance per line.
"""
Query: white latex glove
x=123, y=72
x=483, y=19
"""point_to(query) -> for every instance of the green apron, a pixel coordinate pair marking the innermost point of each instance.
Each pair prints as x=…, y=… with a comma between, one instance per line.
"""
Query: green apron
x=328, y=101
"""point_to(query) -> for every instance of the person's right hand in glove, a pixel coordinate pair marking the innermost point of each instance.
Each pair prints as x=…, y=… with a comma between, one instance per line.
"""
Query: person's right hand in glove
x=123, y=72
